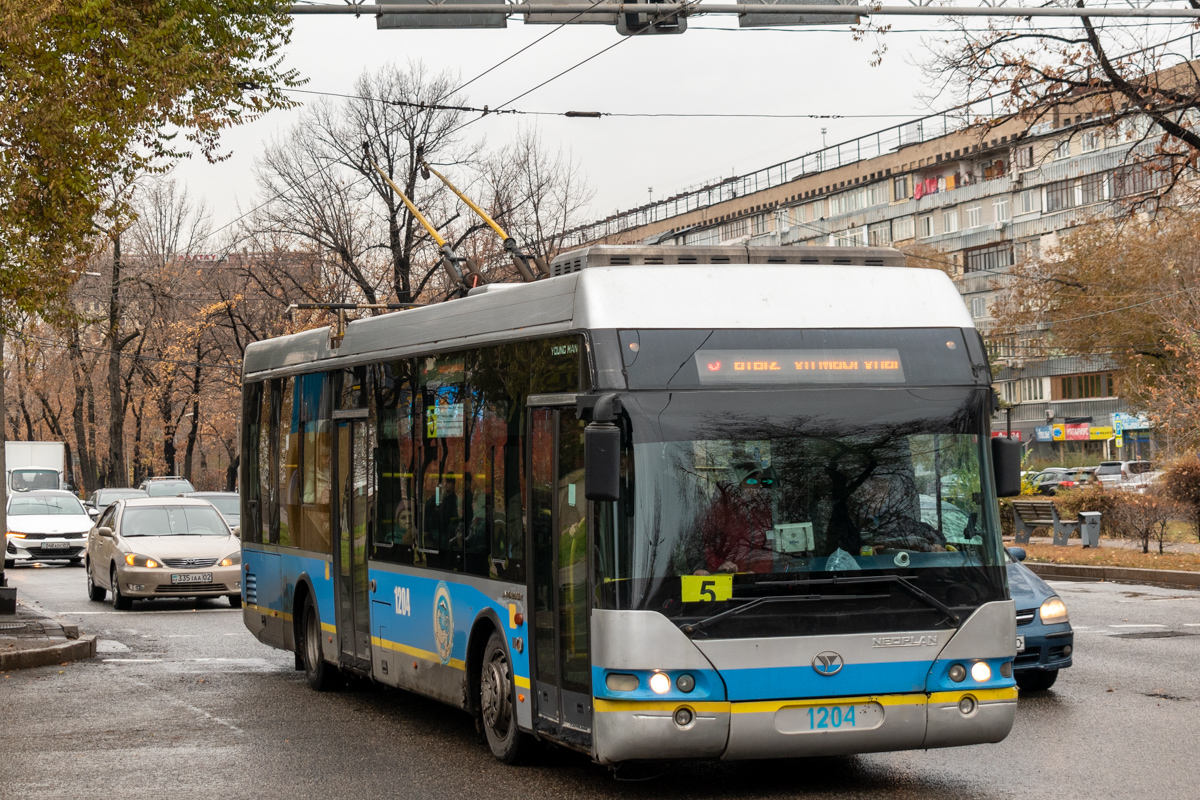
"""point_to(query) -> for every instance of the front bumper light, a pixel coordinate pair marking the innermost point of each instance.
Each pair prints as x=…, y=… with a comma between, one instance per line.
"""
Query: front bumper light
x=1053, y=610
x=135, y=560
x=16, y=535
x=231, y=560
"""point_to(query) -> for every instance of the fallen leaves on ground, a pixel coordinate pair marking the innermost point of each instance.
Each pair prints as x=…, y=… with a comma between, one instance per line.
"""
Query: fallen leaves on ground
x=1111, y=557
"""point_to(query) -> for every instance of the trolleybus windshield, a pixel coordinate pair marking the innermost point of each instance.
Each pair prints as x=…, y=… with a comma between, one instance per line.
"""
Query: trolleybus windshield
x=732, y=496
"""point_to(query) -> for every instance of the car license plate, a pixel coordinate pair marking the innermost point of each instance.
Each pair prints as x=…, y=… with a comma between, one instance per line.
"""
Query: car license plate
x=55, y=545
x=192, y=577
x=1020, y=644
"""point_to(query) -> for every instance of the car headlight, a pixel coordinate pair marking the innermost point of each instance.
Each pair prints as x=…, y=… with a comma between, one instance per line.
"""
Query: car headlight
x=16, y=535
x=231, y=559
x=134, y=560
x=1053, y=610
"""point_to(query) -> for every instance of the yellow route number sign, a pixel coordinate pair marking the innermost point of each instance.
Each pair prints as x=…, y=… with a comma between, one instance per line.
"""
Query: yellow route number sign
x=706, y=588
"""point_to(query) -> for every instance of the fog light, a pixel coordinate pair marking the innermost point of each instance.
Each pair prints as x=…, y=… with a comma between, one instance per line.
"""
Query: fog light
x=136, y=587
x=981, y=672
x=1066, y=650
x=660, y=683
x=685, y=683
x=1006, y=669
x=958, y=673
x=683, y=716
x=620, y=682
x=967, y=706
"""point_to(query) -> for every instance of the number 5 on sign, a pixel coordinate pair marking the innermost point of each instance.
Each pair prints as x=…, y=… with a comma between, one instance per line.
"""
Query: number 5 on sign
x=706, y=588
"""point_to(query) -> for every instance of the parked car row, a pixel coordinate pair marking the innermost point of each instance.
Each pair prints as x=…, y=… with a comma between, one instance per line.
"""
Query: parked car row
x=1126, y=475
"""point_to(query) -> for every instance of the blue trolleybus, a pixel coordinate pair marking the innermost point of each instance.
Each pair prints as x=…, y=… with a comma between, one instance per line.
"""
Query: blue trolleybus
x=685, y=502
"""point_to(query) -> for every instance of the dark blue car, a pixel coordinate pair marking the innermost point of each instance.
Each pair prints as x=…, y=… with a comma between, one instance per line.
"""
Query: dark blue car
x=1044, y=636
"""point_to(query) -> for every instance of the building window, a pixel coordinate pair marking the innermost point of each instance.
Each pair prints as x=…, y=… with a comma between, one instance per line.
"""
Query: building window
x=855, y=237
x=735, y=229
x=927, y=226
x=950, y=220
x=1029, y=251
x=877, y=194
x=1062, y=149
x=760, y=224
x=1080, y=387
x=1023, y=157
x=1011, y=392
x=1029, y=201
x=974, y=216
x=1090, y=141
x=1093, y=189
x=1031, y=389
x=985, y=259
x=1000, y=210
x=900, y=188
x=1137, y=179
x=879, y=234
x=978, y=307
x=1060, y=195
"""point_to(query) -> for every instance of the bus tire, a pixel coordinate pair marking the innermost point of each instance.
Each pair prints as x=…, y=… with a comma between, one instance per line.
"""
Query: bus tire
x=321, y=675
x=496, y=706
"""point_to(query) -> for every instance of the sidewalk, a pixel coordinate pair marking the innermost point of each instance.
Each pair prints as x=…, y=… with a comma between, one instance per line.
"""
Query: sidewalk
x=1128, y=544
x=31, y=639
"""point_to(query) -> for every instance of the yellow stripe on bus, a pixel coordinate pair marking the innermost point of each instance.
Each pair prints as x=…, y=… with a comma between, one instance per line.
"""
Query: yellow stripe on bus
x=607, y=706
x=982, y=695
x=521, y=681
x=425, y=655
x=270, y=612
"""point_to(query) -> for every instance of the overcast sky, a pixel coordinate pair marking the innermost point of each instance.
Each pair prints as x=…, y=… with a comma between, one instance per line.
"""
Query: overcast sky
x=701, y=70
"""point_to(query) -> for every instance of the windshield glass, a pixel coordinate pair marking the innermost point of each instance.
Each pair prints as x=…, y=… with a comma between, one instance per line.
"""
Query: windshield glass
x=109, y=496
x=729, y=497
x=44, y=506
x=168, y=488
x=229, y=505
x=173, y=521
x=31, y=479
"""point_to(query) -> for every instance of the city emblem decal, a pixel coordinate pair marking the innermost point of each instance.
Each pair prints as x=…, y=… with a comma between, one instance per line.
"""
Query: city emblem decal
x=828, y=663
x=443, y=622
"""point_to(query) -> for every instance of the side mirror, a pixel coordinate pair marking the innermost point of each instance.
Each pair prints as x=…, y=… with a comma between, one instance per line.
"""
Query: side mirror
x=105, y=532
x=92, y=511
x=1017, y=552
x=1006, y=463
x=236, y=530
x=602, y=461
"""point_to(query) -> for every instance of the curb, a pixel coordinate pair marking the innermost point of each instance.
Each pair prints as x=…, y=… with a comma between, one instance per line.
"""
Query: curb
x=58, y=653
x=1170, y=579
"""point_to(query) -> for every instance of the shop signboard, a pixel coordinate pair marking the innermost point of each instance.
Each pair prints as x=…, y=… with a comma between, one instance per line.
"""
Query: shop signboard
x=1077, y=432
x=1101, y=433
x=1043, y=433
x=1002, y=434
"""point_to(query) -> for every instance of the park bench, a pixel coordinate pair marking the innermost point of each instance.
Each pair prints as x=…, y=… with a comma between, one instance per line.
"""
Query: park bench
x=1030, y=514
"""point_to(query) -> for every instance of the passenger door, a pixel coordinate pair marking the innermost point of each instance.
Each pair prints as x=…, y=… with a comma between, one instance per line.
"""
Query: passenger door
x=350, y=555
x=560, y=660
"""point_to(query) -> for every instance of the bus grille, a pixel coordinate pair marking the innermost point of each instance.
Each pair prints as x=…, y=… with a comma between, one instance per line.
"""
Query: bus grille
x=191, y=588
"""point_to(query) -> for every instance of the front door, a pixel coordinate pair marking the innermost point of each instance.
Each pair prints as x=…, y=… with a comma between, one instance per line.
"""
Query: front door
x=559, y=578
x=350, y=556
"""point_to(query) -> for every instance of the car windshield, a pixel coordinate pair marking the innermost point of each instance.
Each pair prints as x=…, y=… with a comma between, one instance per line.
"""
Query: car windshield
x=32, y=479
x=229, y=505
x=172, y=521
x=44, y=506
x=777, y=492
x=168, y=488
x=109, y=496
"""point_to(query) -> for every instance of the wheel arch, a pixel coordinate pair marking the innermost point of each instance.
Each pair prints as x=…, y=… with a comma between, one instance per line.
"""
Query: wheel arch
x=303, y=591
x=486, y=623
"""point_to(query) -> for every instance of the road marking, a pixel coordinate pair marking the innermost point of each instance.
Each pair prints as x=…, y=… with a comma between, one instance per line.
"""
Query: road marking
x=1139, y=625
x=131, y=660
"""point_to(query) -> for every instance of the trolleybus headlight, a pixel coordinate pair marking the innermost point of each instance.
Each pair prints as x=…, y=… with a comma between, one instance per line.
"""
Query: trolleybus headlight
x=620, y=682
x=1053, y=610
x=660, y=683
x=958, y=673
x=981, y=672
x=685, y=683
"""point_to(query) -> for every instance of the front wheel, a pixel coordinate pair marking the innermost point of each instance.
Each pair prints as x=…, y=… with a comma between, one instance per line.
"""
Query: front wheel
x=95, y=593
x=235, y=601
x=321, y=675
x=120, y=602
x=496, y=695
x=1037, y=681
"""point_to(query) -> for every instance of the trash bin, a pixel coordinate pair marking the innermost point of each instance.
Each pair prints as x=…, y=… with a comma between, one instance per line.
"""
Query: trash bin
x=1089, y=528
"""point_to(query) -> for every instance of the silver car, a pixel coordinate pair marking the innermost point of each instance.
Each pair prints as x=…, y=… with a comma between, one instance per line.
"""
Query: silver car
x=163, y=547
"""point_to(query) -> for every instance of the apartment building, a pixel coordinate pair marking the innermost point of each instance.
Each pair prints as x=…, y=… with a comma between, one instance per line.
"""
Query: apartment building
x=971, y=201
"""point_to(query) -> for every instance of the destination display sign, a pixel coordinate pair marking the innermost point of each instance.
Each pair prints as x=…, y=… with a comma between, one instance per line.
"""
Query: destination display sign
x=728, y=367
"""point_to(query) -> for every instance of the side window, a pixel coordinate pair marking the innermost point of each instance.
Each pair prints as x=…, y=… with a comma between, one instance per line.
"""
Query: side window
x=443, y=404
x=250, y=482
x=558, y=365
x=268, y=457
x=289, y=464
x=391, y=422
x=497, y=457
x=106, y=519
x=313, y=402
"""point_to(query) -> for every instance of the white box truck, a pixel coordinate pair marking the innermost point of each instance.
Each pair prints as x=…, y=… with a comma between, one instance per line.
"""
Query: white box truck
x=34, y=465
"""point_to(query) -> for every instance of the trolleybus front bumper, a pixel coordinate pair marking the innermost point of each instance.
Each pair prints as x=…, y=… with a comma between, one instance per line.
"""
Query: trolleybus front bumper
x=781, y=728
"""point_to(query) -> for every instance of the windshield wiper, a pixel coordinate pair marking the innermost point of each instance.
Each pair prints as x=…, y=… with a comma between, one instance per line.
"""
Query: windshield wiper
x=904, y=583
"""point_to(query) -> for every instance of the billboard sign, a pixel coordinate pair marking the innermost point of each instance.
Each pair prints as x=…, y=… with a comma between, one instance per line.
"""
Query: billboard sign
x=753, y=20
x=1002, y=434
x=1077, y=432
x=470, y=20
x=1101, y=434
x=1043, y=433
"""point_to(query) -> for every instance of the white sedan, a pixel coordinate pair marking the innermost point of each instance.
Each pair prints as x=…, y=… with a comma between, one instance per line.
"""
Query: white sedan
x=45, y=525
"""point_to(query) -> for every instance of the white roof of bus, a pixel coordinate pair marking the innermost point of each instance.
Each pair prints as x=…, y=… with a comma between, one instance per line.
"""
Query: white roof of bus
x=645, y=297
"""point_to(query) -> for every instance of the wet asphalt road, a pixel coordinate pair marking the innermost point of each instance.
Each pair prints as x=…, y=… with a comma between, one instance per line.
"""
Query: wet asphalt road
x=184, y=702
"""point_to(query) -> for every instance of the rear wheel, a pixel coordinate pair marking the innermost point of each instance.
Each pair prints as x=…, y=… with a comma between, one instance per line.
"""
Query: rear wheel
x=496, y=706
x=95, y=593
x=321, y=675
x=235, y=601
x=120, y=602
x=1038, y=681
